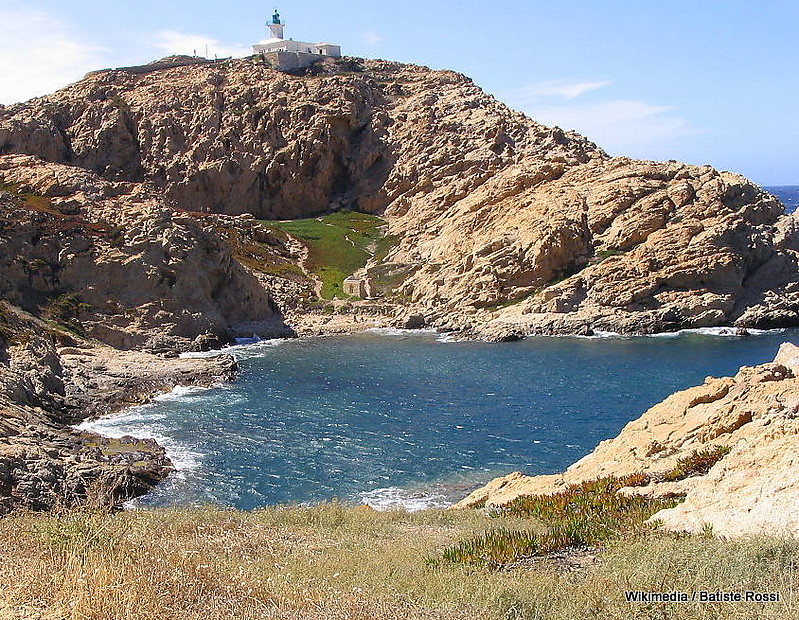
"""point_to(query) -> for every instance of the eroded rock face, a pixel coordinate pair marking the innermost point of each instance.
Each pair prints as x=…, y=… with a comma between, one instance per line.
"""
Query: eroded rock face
x=612, y=245
x=239, y=137
x=503, y=227
x=122, y=265
x=752, y=489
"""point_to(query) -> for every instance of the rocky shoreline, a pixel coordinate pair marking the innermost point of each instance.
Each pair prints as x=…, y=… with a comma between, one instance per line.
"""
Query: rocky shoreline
x=743, y=430
x=134, y=225
x=52, y=380
x=59, y=380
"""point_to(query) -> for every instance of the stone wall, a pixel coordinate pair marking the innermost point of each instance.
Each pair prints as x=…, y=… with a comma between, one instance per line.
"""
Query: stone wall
x=287, y=61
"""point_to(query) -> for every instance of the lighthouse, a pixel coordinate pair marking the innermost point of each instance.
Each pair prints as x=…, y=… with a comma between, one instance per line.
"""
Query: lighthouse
x=290, y=54
x=276, y=26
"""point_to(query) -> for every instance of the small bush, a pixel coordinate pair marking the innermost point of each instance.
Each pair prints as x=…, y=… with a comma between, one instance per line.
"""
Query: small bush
x=603, y=254
x=697, y=464
x=65, y=308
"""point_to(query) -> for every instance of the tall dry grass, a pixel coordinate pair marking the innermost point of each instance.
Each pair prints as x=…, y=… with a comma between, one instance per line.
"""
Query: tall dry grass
x=333, y=562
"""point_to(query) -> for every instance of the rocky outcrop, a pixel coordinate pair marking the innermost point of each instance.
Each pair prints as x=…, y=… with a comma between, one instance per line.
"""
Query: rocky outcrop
x=612, y=245
x=502, y=227
x=239, y=137
x=50, y=379
x=114, y=261
x=751, y=489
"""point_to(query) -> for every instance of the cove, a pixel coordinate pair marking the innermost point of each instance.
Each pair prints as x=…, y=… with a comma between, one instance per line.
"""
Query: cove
x=394, y=418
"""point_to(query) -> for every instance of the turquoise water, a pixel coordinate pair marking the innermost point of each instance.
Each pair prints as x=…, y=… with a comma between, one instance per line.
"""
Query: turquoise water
x=406, y=419
x=398, y=418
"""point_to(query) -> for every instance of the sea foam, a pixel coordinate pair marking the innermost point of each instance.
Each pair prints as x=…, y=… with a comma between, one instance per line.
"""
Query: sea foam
x=719, y=332
x=395, y=498
x=244, y=348
x=396, y=331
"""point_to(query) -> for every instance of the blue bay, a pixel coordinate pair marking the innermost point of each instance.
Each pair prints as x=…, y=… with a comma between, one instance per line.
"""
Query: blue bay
x=408, y=419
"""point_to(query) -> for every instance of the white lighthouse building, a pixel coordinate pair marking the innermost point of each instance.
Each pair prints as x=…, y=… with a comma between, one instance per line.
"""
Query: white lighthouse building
x=291, y=54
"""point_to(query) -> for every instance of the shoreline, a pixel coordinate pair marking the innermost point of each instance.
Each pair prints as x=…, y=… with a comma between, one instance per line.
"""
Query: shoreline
x=98, y=380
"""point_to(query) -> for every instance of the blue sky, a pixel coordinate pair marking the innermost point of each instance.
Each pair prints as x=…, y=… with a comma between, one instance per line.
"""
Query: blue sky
x=703, y=82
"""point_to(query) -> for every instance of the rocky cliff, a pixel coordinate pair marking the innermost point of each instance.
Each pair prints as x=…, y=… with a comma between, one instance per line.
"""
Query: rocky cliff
x=118, y=264
x=745, y=429
x=500, y=226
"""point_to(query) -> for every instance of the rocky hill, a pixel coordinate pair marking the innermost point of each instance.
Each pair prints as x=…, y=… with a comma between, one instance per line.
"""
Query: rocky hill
x=501, y=226
x=130, y=200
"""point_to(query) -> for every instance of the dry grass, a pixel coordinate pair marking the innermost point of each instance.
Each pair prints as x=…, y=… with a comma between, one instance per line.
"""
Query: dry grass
x=331, y=562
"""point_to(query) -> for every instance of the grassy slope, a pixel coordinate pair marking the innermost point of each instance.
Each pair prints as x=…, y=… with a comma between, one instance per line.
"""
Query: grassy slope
x=333, y=562
x=338, y=244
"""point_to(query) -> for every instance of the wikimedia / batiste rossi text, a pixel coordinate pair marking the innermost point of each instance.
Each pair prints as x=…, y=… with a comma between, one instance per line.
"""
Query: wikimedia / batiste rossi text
x=701, y=596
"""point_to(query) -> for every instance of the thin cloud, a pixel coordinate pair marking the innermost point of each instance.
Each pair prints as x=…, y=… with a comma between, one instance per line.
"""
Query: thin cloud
x=371, y=38
x=172, y=42
x=563, y=89
x=40, y=54
x=620, y=126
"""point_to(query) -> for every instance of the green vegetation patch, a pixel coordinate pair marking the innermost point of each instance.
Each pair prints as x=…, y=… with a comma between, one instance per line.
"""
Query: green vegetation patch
x=338, y=244
x=698, y=463
x=587, y=514
x=603, y=254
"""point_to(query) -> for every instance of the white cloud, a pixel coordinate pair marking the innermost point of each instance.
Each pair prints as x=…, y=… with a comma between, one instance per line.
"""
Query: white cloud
x=171, y=42
x=39, y=54
x=620, y=126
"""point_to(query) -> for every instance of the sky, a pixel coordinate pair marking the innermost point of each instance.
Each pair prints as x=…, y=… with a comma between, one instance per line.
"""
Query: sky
x=705, y=82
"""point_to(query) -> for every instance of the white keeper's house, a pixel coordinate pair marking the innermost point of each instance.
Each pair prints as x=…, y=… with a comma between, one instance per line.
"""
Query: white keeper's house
x=291, y=54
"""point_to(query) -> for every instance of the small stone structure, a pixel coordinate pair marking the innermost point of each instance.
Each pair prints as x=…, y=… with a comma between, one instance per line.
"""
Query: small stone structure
x=358, y=287
x=286, y=54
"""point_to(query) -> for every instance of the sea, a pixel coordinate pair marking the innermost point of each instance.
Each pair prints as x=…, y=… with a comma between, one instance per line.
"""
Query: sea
x=411, y=419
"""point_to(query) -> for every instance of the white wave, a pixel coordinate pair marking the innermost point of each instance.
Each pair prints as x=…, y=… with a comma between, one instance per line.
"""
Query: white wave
x=248, y=347
x=450, y=338
x=181, y=391
x=720, y=332
x=601, y=334
x=396, y=331
x=143, y=421
x=597, y=335
x=183, y=458
x=394, y=498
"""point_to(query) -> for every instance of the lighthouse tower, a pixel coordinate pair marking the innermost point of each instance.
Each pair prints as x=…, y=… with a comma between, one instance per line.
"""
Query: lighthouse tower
x=276, y=26
x=290, y=54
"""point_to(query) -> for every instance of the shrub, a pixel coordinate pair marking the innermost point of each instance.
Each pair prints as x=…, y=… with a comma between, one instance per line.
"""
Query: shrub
x=697, y=464
x=589, y=513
